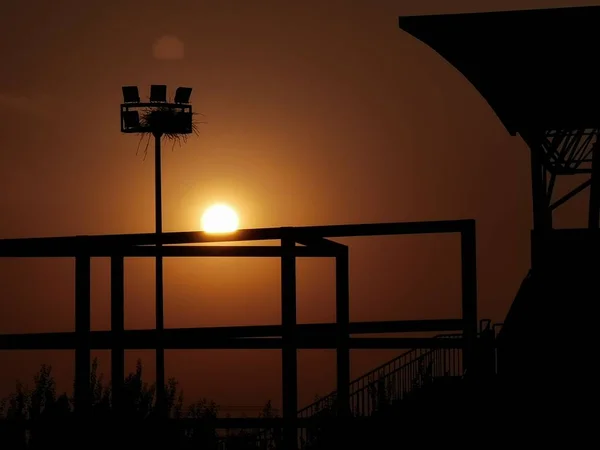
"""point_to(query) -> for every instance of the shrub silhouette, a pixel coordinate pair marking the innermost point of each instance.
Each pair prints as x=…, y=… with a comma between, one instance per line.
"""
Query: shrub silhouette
x=39, y=418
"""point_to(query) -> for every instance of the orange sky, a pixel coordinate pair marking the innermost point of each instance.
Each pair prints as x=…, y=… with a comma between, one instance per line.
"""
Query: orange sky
x=318, y=113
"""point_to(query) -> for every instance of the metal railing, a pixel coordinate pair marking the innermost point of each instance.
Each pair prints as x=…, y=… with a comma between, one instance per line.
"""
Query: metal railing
x=397, y=377
x=388, y=384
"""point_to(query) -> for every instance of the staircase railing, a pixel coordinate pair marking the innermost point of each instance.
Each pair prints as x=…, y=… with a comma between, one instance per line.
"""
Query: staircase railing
x=393, y=380
x=390, y=382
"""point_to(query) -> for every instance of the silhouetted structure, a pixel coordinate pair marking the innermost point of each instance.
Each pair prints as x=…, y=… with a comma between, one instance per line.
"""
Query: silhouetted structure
x=158, y=118
x=289, y=336
x=535, y=69
x=508, y=57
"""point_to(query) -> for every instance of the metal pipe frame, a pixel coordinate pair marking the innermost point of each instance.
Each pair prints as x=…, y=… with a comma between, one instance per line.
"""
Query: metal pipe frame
x=289, y=336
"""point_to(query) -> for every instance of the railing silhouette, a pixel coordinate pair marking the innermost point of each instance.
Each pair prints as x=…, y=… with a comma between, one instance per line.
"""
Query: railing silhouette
x=391, y=382
x=388, y=383
x=397, y=378
x=288, y=337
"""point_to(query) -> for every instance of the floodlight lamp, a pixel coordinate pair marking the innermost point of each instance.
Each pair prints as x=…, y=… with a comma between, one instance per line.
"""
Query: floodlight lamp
x=131, y=120
x=158, y=93
x=131, y=94
x=183, y=94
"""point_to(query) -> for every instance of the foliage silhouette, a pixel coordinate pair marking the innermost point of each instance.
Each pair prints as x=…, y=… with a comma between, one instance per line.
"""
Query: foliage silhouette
x=39, y=418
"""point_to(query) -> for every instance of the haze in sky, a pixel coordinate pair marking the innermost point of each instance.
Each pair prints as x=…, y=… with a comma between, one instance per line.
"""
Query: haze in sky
x=168, y=47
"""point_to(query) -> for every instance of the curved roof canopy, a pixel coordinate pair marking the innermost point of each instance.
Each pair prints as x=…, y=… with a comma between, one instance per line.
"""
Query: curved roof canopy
x=536, y=68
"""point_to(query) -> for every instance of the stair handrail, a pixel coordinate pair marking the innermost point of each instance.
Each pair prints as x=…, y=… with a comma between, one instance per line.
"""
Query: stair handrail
x=372, y=377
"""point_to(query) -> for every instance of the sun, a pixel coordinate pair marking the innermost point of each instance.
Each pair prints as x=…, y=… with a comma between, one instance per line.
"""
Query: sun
x=220, y=218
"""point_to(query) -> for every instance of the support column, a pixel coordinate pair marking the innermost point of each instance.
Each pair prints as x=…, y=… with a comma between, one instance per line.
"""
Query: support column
x=342, y=311
x=117, y=326
x=289, y=351
x=82, y=331
x=542, y=215
x=468, y=250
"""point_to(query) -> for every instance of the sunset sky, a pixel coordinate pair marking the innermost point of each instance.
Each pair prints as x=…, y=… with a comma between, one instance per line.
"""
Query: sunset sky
x=318, y=112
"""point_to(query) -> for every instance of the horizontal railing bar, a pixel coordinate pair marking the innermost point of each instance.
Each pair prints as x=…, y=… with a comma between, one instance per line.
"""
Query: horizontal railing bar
x=220, y=251
x=148, y=340
x=256, y=331
x=84, y=244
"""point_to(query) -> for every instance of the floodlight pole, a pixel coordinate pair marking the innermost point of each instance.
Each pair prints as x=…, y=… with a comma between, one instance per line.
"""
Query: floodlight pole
x=156, y=123
x=160, y=350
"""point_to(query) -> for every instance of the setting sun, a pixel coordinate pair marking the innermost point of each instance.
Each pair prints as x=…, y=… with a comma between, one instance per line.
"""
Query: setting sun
x=220, y=219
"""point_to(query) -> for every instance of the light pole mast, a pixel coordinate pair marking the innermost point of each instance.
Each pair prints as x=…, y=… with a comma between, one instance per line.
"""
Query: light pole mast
x=161, y=119
x=160, y=311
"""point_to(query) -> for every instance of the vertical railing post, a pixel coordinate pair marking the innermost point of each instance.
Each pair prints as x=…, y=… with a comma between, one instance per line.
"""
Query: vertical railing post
x=342, y=311
x=117, y=326
x=289, y=345
x=468, y=251
x=82, y=331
